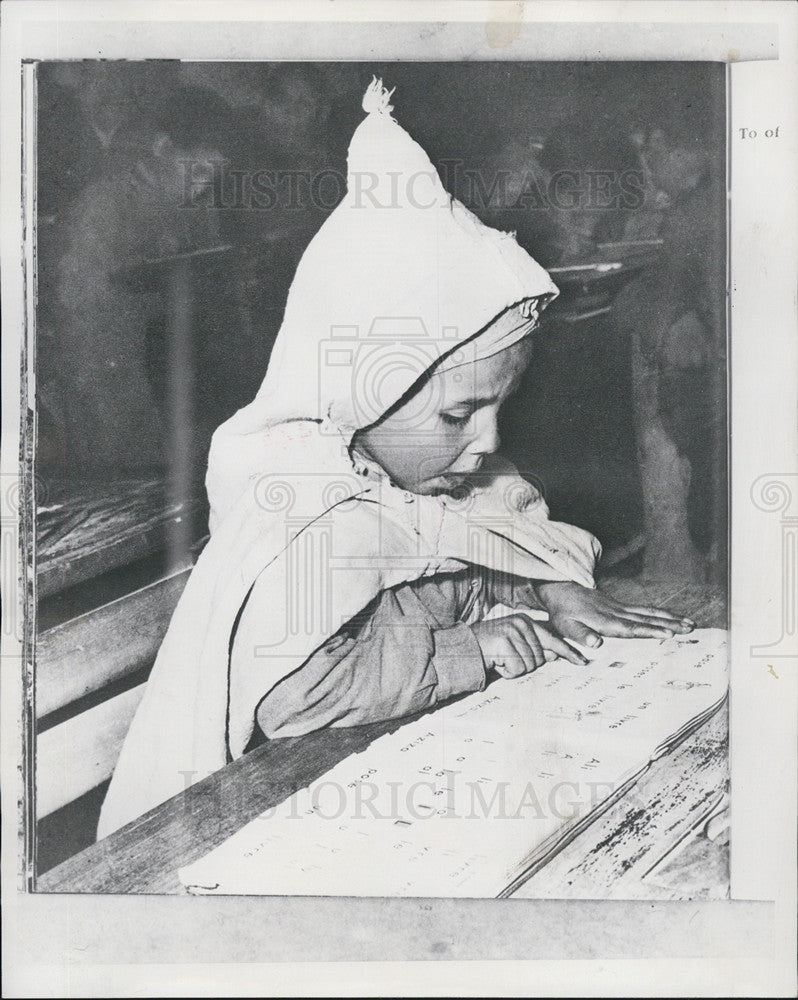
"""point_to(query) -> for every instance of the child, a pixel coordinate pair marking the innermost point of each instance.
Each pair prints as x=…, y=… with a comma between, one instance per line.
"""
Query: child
x=362, y=521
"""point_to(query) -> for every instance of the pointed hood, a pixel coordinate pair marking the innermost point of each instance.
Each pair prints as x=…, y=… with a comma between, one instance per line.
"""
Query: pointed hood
x=400, y=278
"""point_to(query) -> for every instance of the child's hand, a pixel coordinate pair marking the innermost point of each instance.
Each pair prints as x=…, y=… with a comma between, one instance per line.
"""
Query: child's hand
x=516, y=645
x=580, y=614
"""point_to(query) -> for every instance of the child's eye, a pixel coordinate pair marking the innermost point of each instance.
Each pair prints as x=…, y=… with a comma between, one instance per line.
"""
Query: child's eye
x=455, y=420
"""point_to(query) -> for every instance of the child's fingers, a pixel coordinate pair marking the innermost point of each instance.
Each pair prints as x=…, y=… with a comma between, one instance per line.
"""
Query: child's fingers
x=552, y=643
x=505, y=647
x=506, y=654
x=602, y=619
x=674, y=624
x=658, y=613
x=577, y=631
x=624, y=629
x=514, y=660
x=528, y=632
x=520, y=650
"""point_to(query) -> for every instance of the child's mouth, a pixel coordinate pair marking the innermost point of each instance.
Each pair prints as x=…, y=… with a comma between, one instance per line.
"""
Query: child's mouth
x=459, y=474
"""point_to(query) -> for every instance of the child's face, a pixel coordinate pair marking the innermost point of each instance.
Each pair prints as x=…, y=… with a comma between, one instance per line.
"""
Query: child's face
x=441, y=435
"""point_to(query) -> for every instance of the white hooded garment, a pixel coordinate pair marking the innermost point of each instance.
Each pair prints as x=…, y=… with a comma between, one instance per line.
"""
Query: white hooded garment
x=401, y=278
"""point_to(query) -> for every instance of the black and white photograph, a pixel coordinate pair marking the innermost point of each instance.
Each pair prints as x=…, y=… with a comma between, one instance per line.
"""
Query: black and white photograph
x=493, y=340
x=375, y=499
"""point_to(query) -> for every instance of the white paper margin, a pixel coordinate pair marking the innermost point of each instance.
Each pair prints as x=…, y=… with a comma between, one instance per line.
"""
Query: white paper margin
x=122, y=946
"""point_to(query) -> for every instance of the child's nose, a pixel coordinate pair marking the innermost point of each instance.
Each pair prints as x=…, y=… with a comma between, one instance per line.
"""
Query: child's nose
x=487, y=440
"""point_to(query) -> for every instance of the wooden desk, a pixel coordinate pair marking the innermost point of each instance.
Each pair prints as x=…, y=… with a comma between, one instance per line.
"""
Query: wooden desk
x=143, y=857
x=87, y=528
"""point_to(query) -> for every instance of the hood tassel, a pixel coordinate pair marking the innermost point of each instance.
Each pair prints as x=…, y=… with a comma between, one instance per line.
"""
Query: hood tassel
x=376, y=98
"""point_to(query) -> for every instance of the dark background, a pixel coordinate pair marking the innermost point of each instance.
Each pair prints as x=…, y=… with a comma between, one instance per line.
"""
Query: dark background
x=115, y=141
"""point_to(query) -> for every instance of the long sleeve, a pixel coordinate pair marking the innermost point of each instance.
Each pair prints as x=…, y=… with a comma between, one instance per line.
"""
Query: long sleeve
x=512, y=591
x=396, y=661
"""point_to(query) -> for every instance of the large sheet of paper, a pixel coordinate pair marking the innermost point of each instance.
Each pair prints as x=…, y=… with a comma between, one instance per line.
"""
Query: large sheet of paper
x=464, y=800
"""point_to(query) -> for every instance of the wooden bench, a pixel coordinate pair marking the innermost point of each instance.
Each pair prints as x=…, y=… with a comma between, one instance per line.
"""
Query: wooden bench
x=112, y=560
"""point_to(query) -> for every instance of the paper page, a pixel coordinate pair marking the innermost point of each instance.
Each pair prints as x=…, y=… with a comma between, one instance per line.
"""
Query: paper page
x=458, y=801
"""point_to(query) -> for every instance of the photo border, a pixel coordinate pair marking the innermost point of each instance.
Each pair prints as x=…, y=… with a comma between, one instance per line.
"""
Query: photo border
x=760, y=920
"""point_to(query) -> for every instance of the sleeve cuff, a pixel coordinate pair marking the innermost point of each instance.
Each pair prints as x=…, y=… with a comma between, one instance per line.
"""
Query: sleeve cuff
x=457, y=661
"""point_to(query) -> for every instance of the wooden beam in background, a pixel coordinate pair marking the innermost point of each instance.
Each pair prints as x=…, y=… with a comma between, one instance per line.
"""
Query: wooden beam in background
x=79, y=754
x=85, y=654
